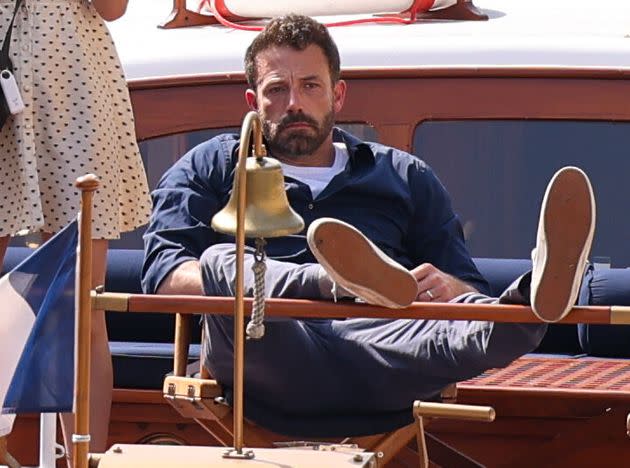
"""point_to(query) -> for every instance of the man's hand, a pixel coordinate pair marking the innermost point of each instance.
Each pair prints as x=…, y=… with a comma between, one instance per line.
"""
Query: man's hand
x=436, y=286
x=183, y=279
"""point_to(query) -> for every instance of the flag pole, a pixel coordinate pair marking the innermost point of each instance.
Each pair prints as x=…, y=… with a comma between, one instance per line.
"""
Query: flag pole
x=47, y=436
x=88, y=184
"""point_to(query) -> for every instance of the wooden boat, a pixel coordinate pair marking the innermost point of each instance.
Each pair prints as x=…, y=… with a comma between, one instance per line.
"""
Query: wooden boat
x=494, y=106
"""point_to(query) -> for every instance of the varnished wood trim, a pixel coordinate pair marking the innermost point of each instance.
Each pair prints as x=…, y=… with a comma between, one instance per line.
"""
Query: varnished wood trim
x=125, y=395
x=186, y=80
x=392, y=105
x=398, y=73
x=492, y=393
x=319, y=309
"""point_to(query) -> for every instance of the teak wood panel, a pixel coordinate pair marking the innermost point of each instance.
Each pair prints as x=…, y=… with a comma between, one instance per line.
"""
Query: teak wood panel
x=393, y=105
x=570, y=430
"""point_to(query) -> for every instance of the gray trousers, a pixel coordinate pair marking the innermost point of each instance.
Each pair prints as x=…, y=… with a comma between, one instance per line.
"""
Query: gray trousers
x=355, y=365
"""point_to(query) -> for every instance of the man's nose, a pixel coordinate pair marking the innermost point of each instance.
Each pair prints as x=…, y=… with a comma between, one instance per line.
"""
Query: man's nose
x=295, y=100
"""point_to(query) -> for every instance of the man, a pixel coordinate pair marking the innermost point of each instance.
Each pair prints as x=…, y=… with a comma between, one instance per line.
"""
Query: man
x=380, y=228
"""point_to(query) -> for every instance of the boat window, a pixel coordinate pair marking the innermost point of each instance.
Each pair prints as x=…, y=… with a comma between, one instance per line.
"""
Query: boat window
x=158, y=154
x=363, y=131
x=496, y=172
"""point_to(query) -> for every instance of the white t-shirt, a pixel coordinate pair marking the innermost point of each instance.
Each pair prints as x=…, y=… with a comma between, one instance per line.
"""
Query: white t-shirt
x=317, y=178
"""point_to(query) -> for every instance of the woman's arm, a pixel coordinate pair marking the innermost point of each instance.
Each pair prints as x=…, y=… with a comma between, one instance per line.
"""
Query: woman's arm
x=110, y=10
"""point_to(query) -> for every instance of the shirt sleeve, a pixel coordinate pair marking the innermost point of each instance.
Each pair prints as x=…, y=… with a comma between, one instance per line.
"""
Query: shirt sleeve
x=435, y=234
x=184, y=202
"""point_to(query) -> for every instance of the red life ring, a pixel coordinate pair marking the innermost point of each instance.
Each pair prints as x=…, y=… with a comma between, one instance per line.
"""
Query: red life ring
x=227, y=12
x=271, y=8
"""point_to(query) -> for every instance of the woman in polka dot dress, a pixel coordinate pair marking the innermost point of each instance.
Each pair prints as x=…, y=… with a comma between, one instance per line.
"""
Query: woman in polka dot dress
x=78, y=120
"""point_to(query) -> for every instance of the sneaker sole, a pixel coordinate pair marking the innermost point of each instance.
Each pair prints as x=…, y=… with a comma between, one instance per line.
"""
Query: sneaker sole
x=568, y=224
x=375, y=279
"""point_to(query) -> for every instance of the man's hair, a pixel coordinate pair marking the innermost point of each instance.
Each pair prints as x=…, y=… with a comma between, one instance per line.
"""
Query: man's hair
x=297, y=32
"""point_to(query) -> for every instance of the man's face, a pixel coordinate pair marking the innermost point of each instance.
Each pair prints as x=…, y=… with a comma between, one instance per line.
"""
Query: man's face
x=295, y=99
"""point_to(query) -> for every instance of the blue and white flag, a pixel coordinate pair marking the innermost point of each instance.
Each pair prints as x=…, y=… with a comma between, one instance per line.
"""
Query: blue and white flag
x=37, y=331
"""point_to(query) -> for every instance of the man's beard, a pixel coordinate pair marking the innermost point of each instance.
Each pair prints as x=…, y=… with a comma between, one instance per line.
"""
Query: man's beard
x=296, y=143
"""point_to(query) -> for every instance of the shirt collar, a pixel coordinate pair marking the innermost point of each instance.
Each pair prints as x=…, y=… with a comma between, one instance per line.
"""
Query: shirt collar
x=358, y=150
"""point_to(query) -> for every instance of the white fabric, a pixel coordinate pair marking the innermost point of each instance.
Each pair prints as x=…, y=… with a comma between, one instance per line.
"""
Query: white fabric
x=16, y=322
x=318, y=178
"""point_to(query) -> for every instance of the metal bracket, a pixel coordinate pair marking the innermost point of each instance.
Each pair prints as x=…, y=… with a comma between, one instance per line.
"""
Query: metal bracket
x=239, y=455
x=319, y=446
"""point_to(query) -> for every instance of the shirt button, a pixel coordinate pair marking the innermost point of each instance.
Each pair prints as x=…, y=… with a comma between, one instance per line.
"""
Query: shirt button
x=26, y=48
x=28, y=126
x=310, y=206
x=26, y=88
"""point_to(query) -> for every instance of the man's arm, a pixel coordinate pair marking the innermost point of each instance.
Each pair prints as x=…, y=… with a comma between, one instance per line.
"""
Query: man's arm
x=110, y=10
x=436, y=242
x=186, y=198
x=183, y=279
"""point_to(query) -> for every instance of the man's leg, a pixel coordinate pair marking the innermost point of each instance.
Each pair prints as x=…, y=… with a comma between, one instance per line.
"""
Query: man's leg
x=563, y=243
x=285, y=369
x=372, y=365
x=416, y=358
x=564, y=237
x=358, y=266
x=444, y=352
x=282, y=279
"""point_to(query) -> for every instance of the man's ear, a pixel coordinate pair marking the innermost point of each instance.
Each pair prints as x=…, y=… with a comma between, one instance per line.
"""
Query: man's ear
x=339, y=92
x=252, y=101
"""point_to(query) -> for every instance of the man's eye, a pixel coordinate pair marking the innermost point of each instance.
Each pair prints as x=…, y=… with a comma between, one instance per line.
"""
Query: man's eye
x=275, y=89
x=311, y=85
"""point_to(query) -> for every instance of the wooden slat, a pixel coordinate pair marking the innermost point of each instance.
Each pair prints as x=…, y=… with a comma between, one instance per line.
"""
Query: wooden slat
x=594, y=376
x=443, y=454
x=302, y=308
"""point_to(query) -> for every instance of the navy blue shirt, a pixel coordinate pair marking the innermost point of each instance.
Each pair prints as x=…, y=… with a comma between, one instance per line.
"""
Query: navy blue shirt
x=394, y=198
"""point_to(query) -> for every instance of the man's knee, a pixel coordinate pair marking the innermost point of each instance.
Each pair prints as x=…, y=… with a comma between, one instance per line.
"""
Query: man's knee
x=216, y=254
x=218, y=269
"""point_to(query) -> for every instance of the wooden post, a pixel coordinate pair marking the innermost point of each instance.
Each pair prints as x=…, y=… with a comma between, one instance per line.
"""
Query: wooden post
x=5, y=456
x=81, y=437
x=182, y=343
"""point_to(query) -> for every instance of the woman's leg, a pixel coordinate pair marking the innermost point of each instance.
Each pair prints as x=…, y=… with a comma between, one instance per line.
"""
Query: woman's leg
x=101, y=373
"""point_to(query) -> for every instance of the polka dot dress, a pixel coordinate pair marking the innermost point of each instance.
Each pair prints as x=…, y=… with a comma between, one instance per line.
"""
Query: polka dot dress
x=78, y=120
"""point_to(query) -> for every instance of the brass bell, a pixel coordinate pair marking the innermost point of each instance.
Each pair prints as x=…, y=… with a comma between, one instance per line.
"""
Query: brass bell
x=267, y=209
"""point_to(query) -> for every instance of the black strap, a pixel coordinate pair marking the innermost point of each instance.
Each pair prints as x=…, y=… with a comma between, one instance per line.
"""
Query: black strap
x=4, y=54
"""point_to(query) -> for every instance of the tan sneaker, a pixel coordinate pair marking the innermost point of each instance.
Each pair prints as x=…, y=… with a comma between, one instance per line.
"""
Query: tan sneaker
x=358, y=266
x=565, y=234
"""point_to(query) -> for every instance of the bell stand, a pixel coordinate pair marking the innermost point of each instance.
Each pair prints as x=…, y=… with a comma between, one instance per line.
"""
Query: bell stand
x=272, y=216
x=463, y=10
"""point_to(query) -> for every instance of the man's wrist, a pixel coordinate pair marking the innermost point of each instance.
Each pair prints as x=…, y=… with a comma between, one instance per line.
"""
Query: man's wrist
x=183, y=279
